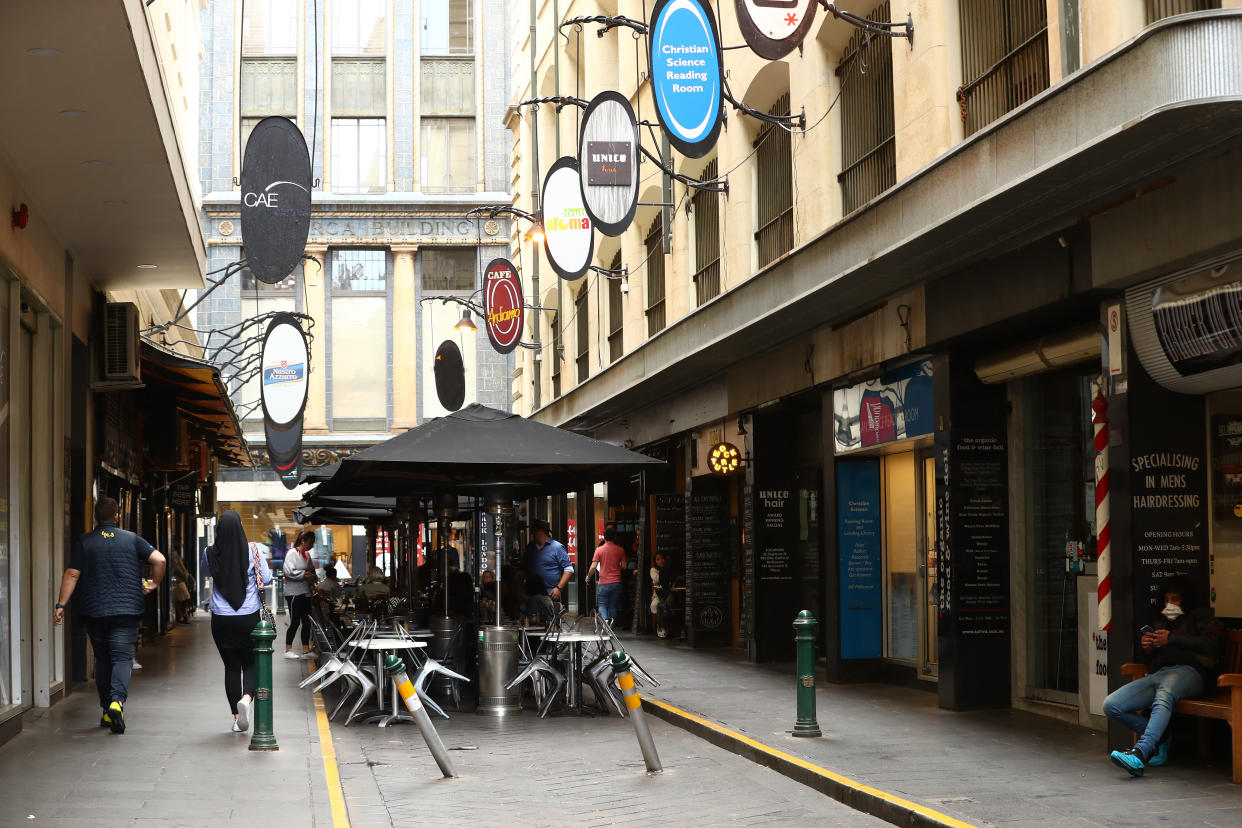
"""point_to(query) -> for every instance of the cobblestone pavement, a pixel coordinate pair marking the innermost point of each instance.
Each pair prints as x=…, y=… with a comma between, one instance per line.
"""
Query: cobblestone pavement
x=565, y=770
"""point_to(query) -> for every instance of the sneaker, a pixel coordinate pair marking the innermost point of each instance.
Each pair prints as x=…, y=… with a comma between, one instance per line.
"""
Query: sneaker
x=243, y=714
x=117, y=715
x=662, y=633
x=1131, y=761
x=137, y=666
x=105, y=720
x=236, y=727
x=1162, y=753
x=291, y=655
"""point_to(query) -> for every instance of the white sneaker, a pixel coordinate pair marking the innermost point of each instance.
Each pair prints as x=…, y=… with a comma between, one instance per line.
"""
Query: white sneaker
x=291, y=655
x=137, y=666
x=243, y=714
x=236, y=727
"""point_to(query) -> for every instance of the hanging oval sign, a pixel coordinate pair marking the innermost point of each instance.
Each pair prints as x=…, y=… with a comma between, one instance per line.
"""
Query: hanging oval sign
x=502, y=305
x=275, y=199
x=684, y=55
x=284, y=450
x=774, y=28
x=607, y=167
x=450, y=372
x=568, y=238
x=285, y=365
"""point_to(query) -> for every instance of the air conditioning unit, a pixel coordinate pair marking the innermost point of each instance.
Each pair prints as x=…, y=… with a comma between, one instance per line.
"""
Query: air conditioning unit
x=120, y=344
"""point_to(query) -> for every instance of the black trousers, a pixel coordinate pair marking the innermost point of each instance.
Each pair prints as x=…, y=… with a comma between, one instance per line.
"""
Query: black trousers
x=113, y=638
x=299, y=615
x=232, y=636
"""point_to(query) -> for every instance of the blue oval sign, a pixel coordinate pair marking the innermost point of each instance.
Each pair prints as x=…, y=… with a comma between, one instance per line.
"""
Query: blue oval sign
x=685, y=70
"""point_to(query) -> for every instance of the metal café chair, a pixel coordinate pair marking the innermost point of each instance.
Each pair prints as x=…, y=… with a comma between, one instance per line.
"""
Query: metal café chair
x=540, y=668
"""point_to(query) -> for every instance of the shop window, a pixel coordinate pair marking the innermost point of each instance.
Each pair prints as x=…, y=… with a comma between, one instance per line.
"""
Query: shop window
x=359, y=27
x=1004, y=57
x=270, y=27
x=447, y=27
x=706, y=207
x=774, y=186
x=655, y=277
x=449, y=269
x=616, y=314
x=359, y=151
x=582, y=325
x=1160, y=9
x=868, y=149
x=358, y=323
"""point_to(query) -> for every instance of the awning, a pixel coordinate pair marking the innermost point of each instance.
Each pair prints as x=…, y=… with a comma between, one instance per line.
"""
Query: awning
x=200, y=397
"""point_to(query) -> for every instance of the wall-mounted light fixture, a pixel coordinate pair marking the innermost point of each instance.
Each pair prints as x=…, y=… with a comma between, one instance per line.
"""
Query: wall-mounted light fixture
x=465, y=323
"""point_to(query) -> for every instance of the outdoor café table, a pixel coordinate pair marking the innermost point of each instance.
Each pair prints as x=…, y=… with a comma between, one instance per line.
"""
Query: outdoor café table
x=381, y=644
x=577, y=639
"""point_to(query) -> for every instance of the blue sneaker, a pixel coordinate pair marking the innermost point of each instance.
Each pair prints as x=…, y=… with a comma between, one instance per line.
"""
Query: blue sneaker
x=1162, y=753
x=1129, y=760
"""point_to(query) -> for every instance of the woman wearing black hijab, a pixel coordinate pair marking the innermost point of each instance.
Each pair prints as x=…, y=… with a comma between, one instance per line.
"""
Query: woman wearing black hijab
x=233, y=563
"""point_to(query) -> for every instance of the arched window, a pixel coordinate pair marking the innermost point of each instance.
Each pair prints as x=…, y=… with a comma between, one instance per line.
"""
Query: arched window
x=774, y=188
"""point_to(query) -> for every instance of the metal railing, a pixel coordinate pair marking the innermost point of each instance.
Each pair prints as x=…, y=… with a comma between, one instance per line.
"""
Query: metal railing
x=1004, y=57
x=868, y=150
x=1160, y=9
x=655, y=277
x=774, y=163
x=616, y=314
x=706, y=207
x=584, y=335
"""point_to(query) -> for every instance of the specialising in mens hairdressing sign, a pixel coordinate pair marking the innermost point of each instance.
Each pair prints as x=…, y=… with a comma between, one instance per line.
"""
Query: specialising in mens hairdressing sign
x=774, y=28
x=608, y=170
x=285, y=364
x=684, y=44
x=502, y=305
x=275, y=198
x=568, y=237
x=450, y=370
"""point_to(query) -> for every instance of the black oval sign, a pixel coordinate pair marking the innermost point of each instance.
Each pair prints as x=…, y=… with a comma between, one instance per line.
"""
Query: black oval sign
x=450, y=372
x=607, y=167
x=275, y=199
x=284, y=450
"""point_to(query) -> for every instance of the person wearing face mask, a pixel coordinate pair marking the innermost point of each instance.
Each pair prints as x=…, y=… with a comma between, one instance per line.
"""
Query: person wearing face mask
x=1182, y=646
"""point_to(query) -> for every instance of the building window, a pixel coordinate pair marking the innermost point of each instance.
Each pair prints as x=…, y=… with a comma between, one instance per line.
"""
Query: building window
x=447, y=27
x=358, y=155
x=706, y=207
x=1004, y=57
x=616, y=313
x=655, y=277
x=1160, y=9
x=868, y=151
x=259, y=298
x=449, y=269
x=447, y=148
x=358, y=27
x=270, y=27
x=774, y=166
x=358, y=340
x=557, y=353
x=269, y=86
x=582, y=323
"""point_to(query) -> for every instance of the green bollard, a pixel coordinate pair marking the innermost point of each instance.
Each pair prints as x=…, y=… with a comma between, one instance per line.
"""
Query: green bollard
x=804, y=634
x=280, y=592
x=263, y=737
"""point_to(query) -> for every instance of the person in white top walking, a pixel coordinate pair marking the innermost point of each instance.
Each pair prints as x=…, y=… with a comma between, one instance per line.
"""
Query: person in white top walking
x=300, y=576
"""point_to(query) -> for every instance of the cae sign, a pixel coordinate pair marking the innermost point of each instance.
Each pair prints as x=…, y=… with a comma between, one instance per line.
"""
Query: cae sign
x=685, y=64
x=275, y=199
x=502, y=305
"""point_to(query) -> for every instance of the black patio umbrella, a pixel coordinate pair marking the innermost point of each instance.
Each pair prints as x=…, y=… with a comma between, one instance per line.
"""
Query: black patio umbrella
x=342, y=516
x=478, y=450
x=319, y=474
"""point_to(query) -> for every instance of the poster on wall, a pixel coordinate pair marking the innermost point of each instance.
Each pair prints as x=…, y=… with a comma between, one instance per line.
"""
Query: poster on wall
x=503, y=308
x=568, y=237
x=275, y=198
x=684, y=58
x=607, y=166
x=775, y=568
x=861, y=567
x=774, y=28
x=895, y=406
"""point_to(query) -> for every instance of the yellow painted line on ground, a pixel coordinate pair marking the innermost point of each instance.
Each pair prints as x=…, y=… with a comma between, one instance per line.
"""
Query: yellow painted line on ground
x=335, y=795
x=816, y=769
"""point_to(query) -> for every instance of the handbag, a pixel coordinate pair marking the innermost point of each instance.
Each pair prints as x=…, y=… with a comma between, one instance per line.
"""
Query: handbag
x=266, y=614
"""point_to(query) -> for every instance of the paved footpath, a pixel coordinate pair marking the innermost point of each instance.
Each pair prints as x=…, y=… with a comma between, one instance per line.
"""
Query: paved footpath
x=999, y=767
x=178, y=763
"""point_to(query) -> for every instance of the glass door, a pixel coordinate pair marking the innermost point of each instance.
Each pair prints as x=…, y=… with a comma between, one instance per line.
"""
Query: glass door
x=901, y=557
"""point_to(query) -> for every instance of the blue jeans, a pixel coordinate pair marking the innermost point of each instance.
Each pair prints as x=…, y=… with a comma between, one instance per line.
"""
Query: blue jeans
x=606, y=596
x=113, y=638
x=1159, y=692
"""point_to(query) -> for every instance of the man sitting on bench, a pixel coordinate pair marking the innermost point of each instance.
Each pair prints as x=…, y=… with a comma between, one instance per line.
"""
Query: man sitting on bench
x=1181, y=647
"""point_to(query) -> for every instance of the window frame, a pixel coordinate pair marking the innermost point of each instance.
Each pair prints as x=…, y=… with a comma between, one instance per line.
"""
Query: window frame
x=657, y=278
x=868, y=124
x=705, y=206
x=616, y=313
x=359, y=189
x=774, y=204
x=331, y=293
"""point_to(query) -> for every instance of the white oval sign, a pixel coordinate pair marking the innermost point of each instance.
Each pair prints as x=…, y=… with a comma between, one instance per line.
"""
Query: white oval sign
x=285, y=364
x=569, y=239
x=774, y=28
x=608, y=168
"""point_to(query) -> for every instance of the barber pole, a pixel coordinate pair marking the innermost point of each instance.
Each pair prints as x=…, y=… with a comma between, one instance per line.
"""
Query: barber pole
x=1103, y=532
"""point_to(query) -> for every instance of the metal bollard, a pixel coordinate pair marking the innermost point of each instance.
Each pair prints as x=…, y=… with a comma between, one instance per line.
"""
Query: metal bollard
x=263, y=737
x=280, y=592
x=804, y=634
x=625, y=680
x=395, y=667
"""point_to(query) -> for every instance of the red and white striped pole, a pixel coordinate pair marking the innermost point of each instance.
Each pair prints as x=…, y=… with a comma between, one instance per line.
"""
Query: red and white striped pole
x=1103, y=532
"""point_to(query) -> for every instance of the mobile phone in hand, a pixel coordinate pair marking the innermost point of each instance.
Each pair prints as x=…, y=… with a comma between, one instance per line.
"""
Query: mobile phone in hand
x=1147, y=629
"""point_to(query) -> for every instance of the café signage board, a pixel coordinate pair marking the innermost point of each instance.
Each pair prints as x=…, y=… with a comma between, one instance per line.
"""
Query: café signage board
x=774, y=28
x=502, y=305
x=607, y=144
x=684, y=56
x=450, y=371
x=569, y=238
x=285, y=366
x=275, y=198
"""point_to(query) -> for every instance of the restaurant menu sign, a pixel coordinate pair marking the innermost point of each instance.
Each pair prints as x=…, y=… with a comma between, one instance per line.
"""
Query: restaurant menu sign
x=686, y=72
x=275, y=198
x=709, y=596
x=502, y=305
x=608, y=169
x=774, y=28
x=450, y=372
x=569, y=239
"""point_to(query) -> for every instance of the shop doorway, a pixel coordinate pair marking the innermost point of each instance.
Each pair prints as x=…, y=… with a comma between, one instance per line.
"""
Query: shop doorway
x=908, y=484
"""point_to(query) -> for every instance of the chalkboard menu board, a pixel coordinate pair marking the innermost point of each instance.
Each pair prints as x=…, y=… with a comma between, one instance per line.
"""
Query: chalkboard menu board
x=979, y=578
x=670, y=529
x=181, y=494
x=707, y=563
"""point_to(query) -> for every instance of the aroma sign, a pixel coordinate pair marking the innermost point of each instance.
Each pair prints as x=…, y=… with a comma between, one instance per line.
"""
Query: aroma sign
x=502, y=305
x=569, y=239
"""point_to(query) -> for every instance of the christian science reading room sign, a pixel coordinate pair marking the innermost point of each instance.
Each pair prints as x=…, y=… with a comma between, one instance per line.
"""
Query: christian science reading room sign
x=686, y=70
x=285, y=361
x=276, y=198
x=608, y=170
x=502, y=305
x=569, y=239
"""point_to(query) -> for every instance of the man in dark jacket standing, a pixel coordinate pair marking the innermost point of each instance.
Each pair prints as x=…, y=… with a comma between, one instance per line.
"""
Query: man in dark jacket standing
x=1182, y=659
x=107, y=563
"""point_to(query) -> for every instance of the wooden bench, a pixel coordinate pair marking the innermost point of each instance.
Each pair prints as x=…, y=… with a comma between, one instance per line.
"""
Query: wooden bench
x=1225, y=705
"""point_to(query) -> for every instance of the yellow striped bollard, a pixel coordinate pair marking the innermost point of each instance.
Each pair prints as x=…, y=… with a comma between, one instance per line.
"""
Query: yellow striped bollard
x=395, y=667
x=625, y=680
